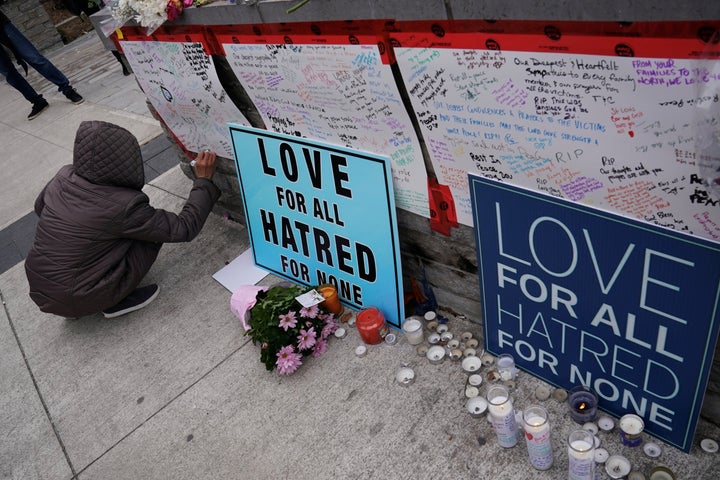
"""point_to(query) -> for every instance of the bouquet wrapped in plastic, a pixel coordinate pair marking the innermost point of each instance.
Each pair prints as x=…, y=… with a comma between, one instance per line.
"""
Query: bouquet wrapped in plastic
x=285, y=330
x=149, y=13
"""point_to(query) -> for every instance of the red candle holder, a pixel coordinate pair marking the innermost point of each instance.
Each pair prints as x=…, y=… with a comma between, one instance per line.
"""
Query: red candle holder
x=371, y=325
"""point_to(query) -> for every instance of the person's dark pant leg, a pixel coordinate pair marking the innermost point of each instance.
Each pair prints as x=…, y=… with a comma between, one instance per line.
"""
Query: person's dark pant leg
x=30, y=54
x=139, y=259
x=15, y=78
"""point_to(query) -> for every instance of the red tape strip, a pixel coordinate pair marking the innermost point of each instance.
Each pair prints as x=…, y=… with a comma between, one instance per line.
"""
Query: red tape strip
x=443, y=215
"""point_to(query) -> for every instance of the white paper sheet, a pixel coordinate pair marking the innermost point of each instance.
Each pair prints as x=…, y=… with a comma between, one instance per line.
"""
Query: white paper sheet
x=241, y=271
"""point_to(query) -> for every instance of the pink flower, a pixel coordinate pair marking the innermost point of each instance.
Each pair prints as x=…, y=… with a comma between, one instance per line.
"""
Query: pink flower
x=309, y=312
x=188, y=3
x=306, y=339
x=329, y=328
x=288, y=320
x=173, y=9
x=320, y=347
x=288, y=361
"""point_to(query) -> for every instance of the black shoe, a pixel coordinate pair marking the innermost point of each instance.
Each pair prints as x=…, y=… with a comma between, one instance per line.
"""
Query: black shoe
x=138, y=298
x=38, y=108
x=74, y=96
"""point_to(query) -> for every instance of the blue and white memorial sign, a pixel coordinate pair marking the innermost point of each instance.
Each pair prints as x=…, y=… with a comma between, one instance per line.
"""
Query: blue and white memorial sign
x=582, y=296
x=320, y=213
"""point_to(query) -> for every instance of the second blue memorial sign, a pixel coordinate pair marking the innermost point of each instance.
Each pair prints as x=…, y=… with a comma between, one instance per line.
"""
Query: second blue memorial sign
x=320, y=213
x=582, y=296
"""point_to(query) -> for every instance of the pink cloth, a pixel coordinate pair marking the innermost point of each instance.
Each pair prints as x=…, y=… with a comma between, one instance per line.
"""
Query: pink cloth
x=243, y=299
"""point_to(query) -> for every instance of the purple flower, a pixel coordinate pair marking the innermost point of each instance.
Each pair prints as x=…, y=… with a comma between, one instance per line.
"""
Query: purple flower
x=288, y=320
x=306, y=339
x=320, y=347
x=309, y=312
x=288, y=361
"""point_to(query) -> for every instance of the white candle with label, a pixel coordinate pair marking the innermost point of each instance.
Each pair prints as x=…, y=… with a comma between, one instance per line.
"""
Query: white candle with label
x=631, y=428
x=537, y=437
x=502, y=416
x=581, y=455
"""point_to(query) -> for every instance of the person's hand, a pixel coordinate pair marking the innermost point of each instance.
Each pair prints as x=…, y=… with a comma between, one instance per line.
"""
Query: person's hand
x=204, y=164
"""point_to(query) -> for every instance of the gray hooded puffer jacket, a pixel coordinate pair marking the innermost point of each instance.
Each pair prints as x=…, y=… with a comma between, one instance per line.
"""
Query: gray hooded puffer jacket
x=97, y=235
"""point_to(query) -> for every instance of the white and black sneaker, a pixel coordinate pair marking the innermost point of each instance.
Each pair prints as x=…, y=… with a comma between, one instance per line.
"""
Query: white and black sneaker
x=138, y=298
x=37, y=108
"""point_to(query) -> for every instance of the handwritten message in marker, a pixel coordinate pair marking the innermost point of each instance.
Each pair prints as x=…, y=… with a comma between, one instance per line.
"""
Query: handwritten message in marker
x=180, y=81
x=617, y=133
x=341, y=94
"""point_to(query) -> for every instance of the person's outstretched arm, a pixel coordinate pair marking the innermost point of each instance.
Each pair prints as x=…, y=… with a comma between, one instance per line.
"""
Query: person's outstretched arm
x=143, y=222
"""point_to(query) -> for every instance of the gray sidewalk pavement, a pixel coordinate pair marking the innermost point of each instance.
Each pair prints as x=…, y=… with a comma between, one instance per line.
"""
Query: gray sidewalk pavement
x=175, y=391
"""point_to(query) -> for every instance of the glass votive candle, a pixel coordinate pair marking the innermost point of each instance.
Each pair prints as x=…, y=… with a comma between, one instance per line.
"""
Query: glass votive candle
x=505, y=365
x=581, y=455
x=332, y=301
x=583, y=403
x=413, y=330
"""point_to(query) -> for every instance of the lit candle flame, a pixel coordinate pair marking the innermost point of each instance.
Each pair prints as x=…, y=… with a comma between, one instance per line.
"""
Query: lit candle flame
x=582, y=406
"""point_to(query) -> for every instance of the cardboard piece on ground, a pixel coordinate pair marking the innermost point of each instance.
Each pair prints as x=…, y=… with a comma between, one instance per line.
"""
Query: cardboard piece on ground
x=241, y=271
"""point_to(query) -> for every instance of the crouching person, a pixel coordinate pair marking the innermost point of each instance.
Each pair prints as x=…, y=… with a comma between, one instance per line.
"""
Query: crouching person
x=97, y=235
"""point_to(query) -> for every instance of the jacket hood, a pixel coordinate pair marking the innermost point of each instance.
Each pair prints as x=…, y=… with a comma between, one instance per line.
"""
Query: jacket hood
x=106, y=154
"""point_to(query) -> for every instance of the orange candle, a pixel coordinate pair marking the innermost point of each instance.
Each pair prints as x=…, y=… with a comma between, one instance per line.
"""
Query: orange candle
x=332, y=301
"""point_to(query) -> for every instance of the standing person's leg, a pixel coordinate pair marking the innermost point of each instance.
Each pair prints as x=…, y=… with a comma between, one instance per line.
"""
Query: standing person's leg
x=18, y=82
x=118, y=57
x=15, y=79
x=45, y=67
